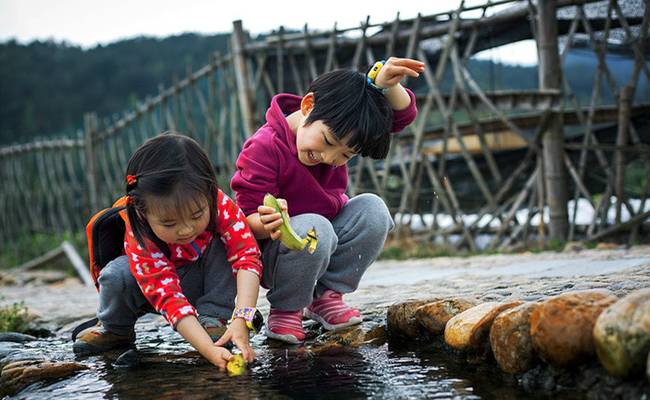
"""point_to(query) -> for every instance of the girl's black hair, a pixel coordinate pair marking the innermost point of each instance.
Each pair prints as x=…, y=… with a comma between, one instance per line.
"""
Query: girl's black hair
x=352, y=109
x=176, y=172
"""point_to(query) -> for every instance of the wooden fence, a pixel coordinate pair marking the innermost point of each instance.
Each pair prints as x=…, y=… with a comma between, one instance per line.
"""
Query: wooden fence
x=446, y=176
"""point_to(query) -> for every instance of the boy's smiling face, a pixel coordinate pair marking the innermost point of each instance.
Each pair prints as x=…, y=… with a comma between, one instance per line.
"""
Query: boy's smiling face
x=316, y=143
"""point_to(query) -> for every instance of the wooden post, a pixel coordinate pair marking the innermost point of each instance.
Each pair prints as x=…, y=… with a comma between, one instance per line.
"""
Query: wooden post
x=625, y=99
x=78, y=264
x=553, y=137
x=241, y=75
x=279, y=58
x=90, y=161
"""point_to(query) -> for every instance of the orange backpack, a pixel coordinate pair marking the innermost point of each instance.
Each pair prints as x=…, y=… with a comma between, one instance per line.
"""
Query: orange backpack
x=105, y=235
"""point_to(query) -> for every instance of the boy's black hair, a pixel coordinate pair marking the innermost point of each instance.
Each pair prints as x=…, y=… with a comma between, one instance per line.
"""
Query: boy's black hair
x=352, y=109
x=173, y=171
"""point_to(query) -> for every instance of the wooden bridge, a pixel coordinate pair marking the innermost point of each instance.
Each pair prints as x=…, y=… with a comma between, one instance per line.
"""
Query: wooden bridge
x=449, y=175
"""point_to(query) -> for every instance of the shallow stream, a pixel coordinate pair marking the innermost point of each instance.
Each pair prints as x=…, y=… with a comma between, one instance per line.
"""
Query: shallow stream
x=164, y=367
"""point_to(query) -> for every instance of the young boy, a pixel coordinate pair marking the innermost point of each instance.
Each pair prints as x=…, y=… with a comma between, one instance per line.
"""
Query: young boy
x=300, y=157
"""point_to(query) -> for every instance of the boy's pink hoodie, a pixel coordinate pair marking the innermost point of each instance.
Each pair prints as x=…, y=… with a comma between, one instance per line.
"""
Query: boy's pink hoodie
x=268, y=163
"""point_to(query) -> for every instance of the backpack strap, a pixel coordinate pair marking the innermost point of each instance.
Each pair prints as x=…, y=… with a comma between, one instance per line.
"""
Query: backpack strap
x=83, y=326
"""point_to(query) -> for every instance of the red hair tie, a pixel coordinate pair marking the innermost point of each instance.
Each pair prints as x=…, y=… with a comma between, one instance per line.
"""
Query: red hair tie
x=131, y=179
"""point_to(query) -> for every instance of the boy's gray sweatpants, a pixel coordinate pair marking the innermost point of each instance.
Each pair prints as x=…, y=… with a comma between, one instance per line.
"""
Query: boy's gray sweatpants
x=207, y=283
x=347, y=245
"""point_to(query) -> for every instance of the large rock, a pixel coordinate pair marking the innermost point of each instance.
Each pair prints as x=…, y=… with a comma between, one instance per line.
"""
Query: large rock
x=510, y=339
x=561, y=327
x=469, y=329
x=622, y=334
x=354, y=336
x=434, y=316
x=401, y=318
x=20, y=374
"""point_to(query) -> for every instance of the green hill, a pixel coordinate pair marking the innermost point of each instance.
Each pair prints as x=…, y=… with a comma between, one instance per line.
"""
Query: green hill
x=46, y=87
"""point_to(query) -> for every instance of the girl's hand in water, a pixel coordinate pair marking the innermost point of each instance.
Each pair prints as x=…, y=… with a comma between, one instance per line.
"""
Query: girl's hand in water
x=219, y=356
x=395, y=69
x=271, y=220
x=237, y=333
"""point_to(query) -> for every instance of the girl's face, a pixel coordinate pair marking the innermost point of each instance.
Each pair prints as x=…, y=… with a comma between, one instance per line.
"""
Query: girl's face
x=179, y=226
x=316, y=143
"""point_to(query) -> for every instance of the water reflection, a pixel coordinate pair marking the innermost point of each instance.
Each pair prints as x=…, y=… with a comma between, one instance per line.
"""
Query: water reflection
x=165, y=367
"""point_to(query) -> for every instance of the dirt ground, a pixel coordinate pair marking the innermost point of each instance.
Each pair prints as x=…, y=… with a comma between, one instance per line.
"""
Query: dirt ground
x=526, y=276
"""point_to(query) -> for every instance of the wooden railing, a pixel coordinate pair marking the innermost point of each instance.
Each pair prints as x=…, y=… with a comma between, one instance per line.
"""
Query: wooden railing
x=457, y=197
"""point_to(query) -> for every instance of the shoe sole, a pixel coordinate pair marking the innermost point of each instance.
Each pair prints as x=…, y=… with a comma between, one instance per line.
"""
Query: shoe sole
x=332, y=327
x=290, y=339
x=86, y=349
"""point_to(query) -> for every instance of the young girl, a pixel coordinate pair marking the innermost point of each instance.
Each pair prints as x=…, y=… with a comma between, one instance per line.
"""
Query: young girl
x=300, y=156
x=188, y=251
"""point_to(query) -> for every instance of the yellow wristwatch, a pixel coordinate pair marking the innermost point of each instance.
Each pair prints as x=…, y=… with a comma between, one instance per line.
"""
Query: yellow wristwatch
x=372, y=75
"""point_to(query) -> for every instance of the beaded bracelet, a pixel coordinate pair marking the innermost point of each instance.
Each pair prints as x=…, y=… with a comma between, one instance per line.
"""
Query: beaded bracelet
x=251, y=316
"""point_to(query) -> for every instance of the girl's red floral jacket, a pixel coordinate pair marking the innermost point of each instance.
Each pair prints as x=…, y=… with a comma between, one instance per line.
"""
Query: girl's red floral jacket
x=156, y=273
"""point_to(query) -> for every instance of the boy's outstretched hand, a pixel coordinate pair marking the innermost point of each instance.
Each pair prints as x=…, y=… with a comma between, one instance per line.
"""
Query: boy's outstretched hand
x=395, y=69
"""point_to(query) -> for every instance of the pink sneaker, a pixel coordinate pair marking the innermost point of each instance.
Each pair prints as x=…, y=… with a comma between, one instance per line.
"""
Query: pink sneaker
x=285, y=326
x=330, y=310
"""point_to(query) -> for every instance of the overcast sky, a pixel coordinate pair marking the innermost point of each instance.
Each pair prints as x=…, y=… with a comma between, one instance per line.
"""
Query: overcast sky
x=90, y=22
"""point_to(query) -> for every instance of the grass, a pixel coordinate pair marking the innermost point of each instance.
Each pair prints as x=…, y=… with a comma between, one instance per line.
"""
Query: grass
x=27, y=246
x=14, y=318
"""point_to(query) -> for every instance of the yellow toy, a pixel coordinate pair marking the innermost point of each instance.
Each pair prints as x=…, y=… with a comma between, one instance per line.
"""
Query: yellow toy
x=289, y=237
x=236, y=366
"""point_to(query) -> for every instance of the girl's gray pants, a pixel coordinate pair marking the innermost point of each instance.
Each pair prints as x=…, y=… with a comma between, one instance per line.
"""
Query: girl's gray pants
x=347, y=245
x=207, y=283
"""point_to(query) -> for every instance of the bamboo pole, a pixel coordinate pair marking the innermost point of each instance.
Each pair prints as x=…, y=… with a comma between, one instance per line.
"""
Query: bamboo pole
x=513, y=209
x=390, y=43
x=51, y=218
x=632, y=222
x=358, y=51
x=435, y=28
x=58, y=188
x=553, y=139
x=446, y=203
x=485, y=150
x=309, y=56
x=297, y=79
x=279, y=60
x=242, y=77
x=90, y=163
x=625, y=99
x=187, y=106
x=330, y=60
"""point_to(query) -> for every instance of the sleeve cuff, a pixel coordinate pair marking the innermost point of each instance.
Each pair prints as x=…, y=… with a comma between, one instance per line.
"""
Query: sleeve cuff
x=179, y=314
x=256, y=269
